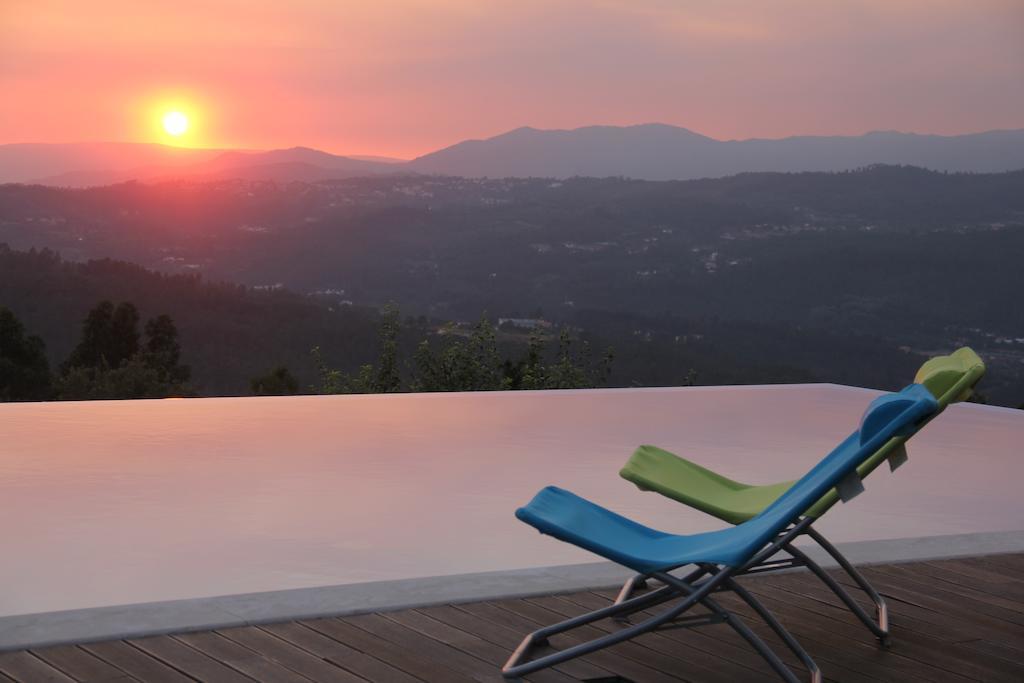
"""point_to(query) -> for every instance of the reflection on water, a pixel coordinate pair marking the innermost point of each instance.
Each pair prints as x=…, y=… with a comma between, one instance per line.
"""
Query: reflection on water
x=118, y=502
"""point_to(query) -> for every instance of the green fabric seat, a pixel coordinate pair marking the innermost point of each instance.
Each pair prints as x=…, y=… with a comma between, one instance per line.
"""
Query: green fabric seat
x=949, y=378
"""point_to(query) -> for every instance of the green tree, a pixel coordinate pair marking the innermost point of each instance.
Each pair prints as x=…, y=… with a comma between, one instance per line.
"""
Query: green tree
x=384, y=377
x=134, y=378
x=162, y=351
x=110, y=336
x=109, y=363
x=24, y=370
x=388, y=377
x=459, y=361
x=572, y=366
x=277, y=382
x=460, y=364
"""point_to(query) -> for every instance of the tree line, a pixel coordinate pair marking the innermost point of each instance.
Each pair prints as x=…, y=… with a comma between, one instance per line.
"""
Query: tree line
x=111, y=361
x=115, y=360
x=454, y=360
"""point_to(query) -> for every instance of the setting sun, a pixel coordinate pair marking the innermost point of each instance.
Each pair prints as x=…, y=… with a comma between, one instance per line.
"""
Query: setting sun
x=175, y=123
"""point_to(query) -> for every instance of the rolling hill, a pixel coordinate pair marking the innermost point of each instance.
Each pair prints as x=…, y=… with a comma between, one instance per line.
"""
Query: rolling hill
x=646, y=152
x=661, y=152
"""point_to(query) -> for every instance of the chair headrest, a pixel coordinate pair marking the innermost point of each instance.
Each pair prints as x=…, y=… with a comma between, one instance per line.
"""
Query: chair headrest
x=887, y=407
x=958, y=371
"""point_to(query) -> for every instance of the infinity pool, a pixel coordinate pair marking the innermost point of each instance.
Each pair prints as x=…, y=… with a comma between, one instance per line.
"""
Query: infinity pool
x=109, y=503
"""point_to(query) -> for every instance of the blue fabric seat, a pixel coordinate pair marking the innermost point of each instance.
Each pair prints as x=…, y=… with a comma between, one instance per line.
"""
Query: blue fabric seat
x=570, y=518
x=573, y=519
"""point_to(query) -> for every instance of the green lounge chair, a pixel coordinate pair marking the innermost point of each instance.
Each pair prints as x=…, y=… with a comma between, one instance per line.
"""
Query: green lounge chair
x=949, y=379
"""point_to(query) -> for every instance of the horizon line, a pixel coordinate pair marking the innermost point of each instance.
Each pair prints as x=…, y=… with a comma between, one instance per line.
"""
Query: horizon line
x=257, y=150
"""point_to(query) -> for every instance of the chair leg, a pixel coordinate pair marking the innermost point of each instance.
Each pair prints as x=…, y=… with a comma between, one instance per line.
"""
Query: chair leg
x=779, y=630
x=762, y=649
x=631, y=584
x=520, y=665
x=517, y=666
x=643, y=581
x=752, y=638
x=879, y=626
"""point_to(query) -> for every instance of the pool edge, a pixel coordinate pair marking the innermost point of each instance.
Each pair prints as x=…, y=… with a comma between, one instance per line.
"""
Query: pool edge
x=20, y=632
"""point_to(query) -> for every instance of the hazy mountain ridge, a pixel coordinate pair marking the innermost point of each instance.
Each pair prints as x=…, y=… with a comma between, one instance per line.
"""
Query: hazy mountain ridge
x=645, y=152
x=172, y=163
x=662, y=152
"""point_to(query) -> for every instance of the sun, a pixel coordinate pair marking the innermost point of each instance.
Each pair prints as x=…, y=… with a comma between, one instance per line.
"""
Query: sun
x=175, y=123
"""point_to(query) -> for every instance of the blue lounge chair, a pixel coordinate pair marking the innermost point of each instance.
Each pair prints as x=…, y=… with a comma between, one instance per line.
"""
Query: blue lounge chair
x=716, y=557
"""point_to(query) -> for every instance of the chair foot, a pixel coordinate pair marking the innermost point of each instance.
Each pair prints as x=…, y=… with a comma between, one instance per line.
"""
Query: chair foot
x=633, y=584
x=879, y=626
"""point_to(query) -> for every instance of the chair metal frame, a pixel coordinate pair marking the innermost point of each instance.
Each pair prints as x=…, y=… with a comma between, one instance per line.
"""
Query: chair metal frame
x=695, y=588
x=717, y=572
x=878, y=626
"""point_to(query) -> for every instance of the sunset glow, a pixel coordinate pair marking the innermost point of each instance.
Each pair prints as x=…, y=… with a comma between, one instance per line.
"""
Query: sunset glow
x=175, y=123
x=404, y=77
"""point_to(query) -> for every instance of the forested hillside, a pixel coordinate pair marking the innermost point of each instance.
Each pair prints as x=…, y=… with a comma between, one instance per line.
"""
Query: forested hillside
x=848, y=277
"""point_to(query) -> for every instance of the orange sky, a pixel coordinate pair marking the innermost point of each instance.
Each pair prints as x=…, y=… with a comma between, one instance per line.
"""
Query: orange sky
x=403, y=77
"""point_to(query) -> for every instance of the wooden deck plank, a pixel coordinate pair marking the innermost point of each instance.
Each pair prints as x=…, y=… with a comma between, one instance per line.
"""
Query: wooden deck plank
x=657, y=651
x=839, y=632
x=339, y=654
x=502, y=635
x=289, y=656
x=710, y=644
x=582, y=668
x=80, y=664
x=240, y=658
x=980, y=616
x=1013, y=656
x=24, y=666
x=480, y=666
x=625, y=666
x=135, y=662
x=1011, y=590
x=953, y=621
x=841, y=658
x=972, y=571
x=929, y=645
x=428, y=626
x=998, y=606
x=1004, y=564
x=188, y=660
x=941, y=624
x=722, y=643
x=424, y=668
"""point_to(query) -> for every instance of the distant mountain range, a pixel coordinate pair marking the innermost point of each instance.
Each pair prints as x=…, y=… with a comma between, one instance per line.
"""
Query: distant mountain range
x=647, y=152
x=660, y=152
x=90, y=164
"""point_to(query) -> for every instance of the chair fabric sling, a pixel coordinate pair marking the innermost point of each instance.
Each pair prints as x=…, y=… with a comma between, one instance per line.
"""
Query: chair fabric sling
x=948, y=378
x=716, y=557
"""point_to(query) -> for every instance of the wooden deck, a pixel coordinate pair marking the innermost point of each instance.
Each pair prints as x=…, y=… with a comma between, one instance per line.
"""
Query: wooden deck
x=953, y=620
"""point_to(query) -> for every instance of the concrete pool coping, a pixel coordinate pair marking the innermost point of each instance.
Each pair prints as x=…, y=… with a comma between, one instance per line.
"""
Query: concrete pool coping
x=18, y=632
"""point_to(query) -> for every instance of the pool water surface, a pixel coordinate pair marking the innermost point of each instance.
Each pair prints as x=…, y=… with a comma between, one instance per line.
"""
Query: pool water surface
x=117, y=502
